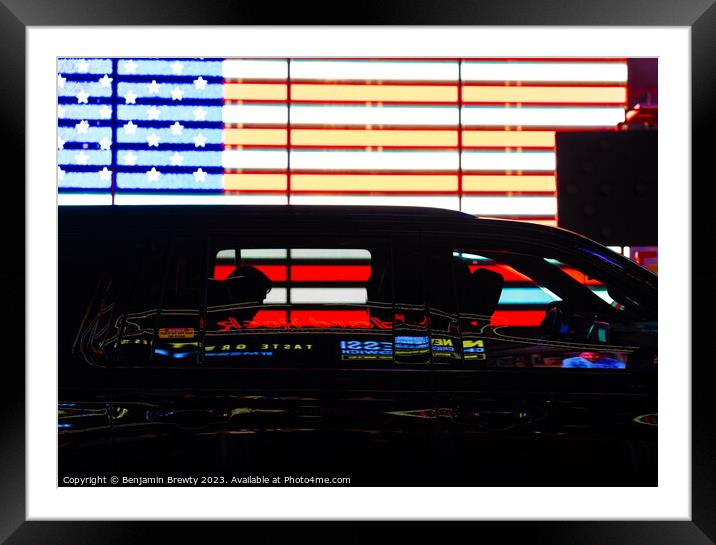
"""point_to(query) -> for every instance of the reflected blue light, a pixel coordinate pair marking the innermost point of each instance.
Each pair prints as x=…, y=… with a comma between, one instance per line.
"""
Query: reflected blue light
x=176, y=355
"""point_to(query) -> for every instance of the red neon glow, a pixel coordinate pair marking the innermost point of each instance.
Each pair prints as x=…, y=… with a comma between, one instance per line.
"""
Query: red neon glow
x=322, y=319
x=508, y=273
x=581, y=277
x=305, y=273
x=517, y=317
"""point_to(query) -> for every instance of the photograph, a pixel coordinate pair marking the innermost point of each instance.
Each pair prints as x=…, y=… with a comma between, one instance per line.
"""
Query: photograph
x=377, y=271
x=358, y=274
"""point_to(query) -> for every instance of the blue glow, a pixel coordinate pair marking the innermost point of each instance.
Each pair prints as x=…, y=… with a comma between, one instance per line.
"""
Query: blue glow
x=166, y=136
x=94, y=66
x=403, y=342
x=132, y=180
x=84, y=180
x=164, y=90
x=125, y=112
x=93, y=88
x=92, y=136
x=163, y=158
x=94, y=157
x=202, y=67
x=175, y=355
x=603, y=258
x=224, y=354
x=83, y=111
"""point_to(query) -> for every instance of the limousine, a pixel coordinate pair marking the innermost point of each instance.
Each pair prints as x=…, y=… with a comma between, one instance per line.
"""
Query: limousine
x=382, y=345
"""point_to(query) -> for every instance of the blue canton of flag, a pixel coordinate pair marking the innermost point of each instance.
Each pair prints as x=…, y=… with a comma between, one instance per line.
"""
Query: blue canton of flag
x=140, y=124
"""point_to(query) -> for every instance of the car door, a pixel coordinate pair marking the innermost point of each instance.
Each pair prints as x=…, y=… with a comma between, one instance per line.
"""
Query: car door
x=84, y=403
x=546, y=380
x=287, y=357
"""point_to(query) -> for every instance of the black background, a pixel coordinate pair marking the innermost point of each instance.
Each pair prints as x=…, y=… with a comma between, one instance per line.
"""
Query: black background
x=15, y=15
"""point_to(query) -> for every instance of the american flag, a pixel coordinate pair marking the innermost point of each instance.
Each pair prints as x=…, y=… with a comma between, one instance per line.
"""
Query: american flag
x=475, y=135
x=140, y=124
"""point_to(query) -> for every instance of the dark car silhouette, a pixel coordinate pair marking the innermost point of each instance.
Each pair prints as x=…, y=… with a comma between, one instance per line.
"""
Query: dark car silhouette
x=390, y=345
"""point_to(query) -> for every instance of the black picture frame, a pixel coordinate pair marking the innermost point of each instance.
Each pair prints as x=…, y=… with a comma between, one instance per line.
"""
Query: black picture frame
x=16, y=15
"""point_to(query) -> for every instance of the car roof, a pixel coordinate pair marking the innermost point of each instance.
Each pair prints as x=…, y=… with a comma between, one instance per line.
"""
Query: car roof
x=143, y=221
x=81, y=220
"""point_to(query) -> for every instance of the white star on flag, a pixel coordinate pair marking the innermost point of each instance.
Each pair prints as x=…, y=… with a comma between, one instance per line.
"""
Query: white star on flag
x=130, y=128
x=176, y=159
x=153, y=175
x=60, y=173
x=82, y=96
x=199, y=114
x=199, y=141
x=105, y=112
x=105, y=143
x=200, y=83
x=60, y=80
x=130, y=98
x=82, y=158
x=177, y=67
x=153, y=87
x=153, y=140
x=82, y=127
x=105, y=81
x=130, y=67
x=130, y=159
x=177, y=128
x=199, y=175
x=153, y=112
x=105, y=174
x=177, y=93
x=82, y=65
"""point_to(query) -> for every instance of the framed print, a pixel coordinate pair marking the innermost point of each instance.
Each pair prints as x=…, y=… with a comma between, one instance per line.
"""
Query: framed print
x=466, y=119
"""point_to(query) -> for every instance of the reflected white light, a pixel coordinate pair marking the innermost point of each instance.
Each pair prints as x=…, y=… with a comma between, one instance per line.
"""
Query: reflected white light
x=274, y=159
x=612, y=72
x=254, y=69
x=603, y=294
x=550, y=294
x=277, y=296
x=302, y=114
x=500, y=160
x=271, y=114
x=84, y=199
x=538, y=116
x=451, y=202
x=263, y=254
x=375, y=160
x=465, y=255
x=338, y=253
x=373, y=70
x=132, y=199
x=329, y=295
x=226, y=255
x=509, y=206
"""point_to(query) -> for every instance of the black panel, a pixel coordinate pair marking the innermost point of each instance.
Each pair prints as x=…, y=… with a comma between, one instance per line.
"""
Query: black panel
x=607, y=186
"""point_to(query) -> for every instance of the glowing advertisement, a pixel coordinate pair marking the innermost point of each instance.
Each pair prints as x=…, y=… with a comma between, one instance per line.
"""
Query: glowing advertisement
x=392, y=131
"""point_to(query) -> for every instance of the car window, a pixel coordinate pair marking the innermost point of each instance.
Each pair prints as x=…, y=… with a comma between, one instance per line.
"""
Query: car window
x=524, y=310
x=305, y=306
x=237, y=303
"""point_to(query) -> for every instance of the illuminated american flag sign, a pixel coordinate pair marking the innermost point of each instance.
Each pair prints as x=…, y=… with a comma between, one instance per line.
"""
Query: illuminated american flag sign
x=475, y=135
